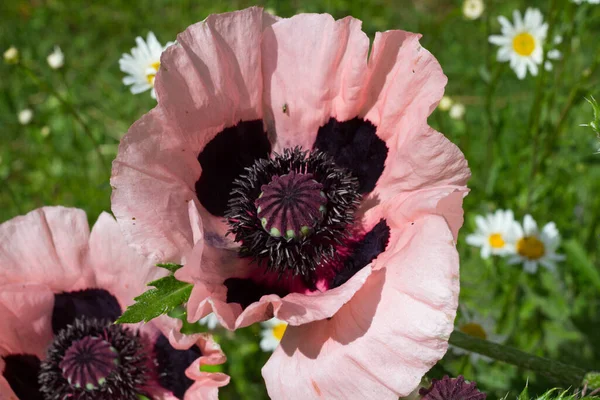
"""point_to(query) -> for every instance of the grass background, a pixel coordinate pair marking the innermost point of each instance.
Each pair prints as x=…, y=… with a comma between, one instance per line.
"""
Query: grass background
x=522, y=139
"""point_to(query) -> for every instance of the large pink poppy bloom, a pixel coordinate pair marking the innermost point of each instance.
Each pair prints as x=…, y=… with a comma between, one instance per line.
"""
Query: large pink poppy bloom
x=61, y=288
x=342, y=204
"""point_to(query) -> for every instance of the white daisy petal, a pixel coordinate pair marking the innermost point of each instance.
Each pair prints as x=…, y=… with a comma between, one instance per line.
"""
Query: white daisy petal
x=142, y=64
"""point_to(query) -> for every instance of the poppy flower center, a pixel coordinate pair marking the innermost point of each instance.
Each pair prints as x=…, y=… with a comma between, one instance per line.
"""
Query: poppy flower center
x=291, y=205
x=288, y=212
x=88, y=362
x=94, y=359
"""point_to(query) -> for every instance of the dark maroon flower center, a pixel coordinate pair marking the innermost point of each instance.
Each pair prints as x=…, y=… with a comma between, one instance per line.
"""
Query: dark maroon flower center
x=88, y=362
x=291, y=205
x=94, y=359
x=289, y=212
x=451, y=389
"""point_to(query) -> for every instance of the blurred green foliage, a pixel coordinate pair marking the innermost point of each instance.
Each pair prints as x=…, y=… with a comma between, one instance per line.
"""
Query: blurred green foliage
x=523, y=141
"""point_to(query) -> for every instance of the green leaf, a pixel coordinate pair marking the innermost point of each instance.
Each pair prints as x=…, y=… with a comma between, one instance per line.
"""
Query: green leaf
x=167, y=295
x=170, y=266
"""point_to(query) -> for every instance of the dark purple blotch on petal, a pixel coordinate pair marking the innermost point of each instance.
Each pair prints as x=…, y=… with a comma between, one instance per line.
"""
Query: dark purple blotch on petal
x=451, y=389
x=246, y=291
x=171, y=365
x=21, y=373
x=91, y=303
x=223, y=160
x=363, y=252
x=354, y=145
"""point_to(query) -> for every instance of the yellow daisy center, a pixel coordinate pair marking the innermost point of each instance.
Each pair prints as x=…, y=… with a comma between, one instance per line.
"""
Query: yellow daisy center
x=531, y=247
x=279, y=330
x=150, y=77
x=496, y=241
x=523, y=44
x=474, y=329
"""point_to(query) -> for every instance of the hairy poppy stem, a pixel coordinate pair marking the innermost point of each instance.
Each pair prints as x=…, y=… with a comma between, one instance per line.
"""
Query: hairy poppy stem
x=563, y=373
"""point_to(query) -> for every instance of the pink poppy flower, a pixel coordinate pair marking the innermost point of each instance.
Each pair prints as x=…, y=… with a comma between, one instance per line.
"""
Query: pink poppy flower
x=342, y=204
x=62, y=287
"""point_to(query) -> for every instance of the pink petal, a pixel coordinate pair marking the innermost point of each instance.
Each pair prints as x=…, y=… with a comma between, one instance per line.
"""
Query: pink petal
x=26, y=315
x=393, y=330
x=209, y=267
x=47, y=246
x=405, y=83
x=117, y=267
x=206, y=384
x=315, y=66
x=153, y=178
x=209, y=81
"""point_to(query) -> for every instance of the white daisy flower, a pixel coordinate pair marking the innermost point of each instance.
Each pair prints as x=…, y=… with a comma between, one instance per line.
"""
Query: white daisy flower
x=472, y=9
x=534, y=247
x=142, y=64
x=56, y=59
x=496, y=233
x=522, y=43
x=211, y=321
x=445, y=103
x=272, y=333
x=457, y=111
x=479, y=327
x=25, y=116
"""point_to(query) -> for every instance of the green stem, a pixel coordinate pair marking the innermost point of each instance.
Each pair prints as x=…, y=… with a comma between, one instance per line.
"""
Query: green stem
x=534, y=115
x=69, y=107
x=563, y=373
x=491, y=139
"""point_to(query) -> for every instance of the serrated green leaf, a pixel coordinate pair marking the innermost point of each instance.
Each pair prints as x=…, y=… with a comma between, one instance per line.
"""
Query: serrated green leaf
x=168, y=294
x=170, y=266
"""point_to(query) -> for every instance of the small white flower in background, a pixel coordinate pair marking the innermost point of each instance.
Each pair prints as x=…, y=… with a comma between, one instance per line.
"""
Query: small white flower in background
x=457, y=111
x=142, y=64
x=11, y=55
x=496, y=233
x=211, y=321
x=586, y=1
x=552, y=55
x=445, y=103
x=522, y=41
x=479, y=327
x=56, y=59
x=534, y=247
x=45, y=131
x=25, y=116
x=272, y=333
x=472, y=9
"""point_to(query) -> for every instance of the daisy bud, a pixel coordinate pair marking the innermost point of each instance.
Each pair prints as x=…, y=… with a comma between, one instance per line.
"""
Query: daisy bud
x=11, y=55
x=25, y=116
x=445, y=103
x=457, y=111
x=472, y=9
x=56, y=59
